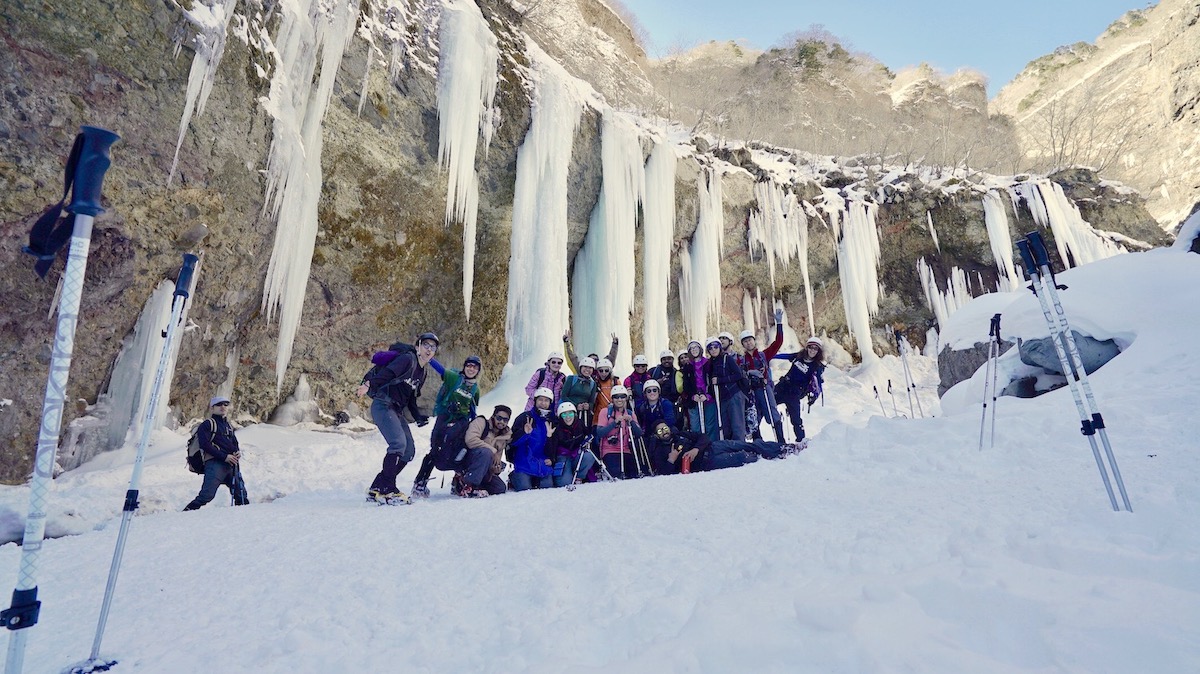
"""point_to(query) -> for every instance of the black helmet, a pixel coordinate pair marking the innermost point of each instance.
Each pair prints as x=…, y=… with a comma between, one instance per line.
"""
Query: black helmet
x=473, y=359
x=428, y=335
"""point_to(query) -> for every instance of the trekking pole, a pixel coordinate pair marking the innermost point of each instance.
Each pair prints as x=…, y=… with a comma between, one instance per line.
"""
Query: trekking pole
x=633, y=450
x=700, y=414
x=989, y=378
x=604, y=474
x=895, y=412
x=89, y=160
x=183, y=285
x=877, y=399
x=646, y=456
x=909, y=380
x=995, y=375
x=1031, y=248
x=720, y=420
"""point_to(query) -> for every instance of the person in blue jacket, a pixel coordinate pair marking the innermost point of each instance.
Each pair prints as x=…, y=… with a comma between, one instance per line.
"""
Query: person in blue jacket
x=221, y=457
x=532, y=466
x=803, y=379
x=653, y=407
x=727, y=381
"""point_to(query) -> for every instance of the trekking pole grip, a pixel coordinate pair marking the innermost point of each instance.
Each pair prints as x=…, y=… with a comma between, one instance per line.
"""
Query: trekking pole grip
x=185, y=274
x=1038, y=244
x=994, y=331
x=1031, y=269
x=89, y=173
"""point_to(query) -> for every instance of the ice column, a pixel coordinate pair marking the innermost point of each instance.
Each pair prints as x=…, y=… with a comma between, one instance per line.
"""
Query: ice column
x=996, y=220
x=700, y=275
x=1051, y=208
x=858, y=270
x=537, y=280
x=309, y=29
x=467, y=78
x=658, y=229
x=933, y=232
x=943, y=304
x=212, y=22
x=604, y=277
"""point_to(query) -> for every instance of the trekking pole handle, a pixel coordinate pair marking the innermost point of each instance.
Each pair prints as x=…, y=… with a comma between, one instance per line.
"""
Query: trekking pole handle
x=994, y=331
x=89, y=173
x=896, y=333
x=1038, y=244
x=1031, y=270
x=889, y=386
x=184, y=281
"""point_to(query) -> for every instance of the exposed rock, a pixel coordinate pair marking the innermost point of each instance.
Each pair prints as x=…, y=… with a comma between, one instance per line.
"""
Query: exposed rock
x=961, y=364
x=1093, y=353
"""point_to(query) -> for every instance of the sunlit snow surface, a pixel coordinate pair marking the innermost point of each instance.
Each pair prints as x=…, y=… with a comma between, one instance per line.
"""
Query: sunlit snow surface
x=890, y=545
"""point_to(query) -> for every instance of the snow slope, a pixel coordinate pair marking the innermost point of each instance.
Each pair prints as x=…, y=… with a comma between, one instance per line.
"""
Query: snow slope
x=890, y=545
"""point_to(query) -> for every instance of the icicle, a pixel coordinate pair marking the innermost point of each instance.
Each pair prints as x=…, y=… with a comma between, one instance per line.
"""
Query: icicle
x=932, y=231
x=1072, y=234
x=658, y=230
x=362, y=93
x=537, y=280
x=604, y=278
x=996, y=219
x=748, y=319
x=133, y=373
x=801, y=223
x=858, y=269
x=294, y=178
x=212, y=22
x=700, y=282
x=944, y=304
x=467, y=76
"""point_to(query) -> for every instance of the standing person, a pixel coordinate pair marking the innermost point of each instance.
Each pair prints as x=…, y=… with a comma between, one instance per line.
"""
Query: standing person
x=394, y=387
x=221, y=456
x=804, y=378
x=575, y=362
x=664, y=373
x=654, y=408
x=702, y=413
x=616, y=427
x=684, y=403
x=549, y=376
x=566, y=447
x=640, y=376
x=580, y=390
x=532, y=465
x=456, y=401
x=727, y=381
x=606, y=379
x=757, y=366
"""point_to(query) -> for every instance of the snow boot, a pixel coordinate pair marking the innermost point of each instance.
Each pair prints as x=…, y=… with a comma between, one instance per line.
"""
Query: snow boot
x=420, y=489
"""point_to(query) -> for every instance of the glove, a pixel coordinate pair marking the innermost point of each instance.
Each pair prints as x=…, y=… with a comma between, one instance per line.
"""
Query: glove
x=422, y=421
x=778, y=316
x=812, y=398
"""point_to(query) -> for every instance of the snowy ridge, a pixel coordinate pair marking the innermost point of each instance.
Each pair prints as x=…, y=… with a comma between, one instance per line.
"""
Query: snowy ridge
x=538, y=297
x=605, y=276
x=309, y=28
x=467, y=76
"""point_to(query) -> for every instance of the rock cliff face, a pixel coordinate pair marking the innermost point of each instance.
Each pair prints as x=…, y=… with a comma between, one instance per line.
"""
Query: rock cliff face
x=385, y=264
x=1128, y=104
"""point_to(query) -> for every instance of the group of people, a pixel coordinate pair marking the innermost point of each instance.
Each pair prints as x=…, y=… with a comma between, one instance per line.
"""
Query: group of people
x=700, y=409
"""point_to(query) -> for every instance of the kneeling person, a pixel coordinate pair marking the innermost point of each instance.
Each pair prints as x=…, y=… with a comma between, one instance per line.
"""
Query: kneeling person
x=471, y=449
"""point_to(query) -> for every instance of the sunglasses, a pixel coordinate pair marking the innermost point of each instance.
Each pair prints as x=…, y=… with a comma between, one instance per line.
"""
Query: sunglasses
x=813, y=347
x=567, y=414
x=500, y=420
x=619, y=397
x=221, y=405
x=556, y=362
x=604, y=369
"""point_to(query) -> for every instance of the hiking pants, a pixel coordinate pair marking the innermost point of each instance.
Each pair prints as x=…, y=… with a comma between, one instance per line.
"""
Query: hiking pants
x=217, y=473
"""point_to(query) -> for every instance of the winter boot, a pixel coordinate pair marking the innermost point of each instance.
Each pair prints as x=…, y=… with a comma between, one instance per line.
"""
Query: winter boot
x=420, y=489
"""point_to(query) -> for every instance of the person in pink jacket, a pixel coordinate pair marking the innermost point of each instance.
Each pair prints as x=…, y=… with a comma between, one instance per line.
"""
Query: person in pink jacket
x=550, y=376
x=616, y=428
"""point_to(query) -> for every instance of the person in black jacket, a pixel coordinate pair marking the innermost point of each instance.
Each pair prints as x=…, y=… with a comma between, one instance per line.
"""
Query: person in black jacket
x=394, y=387
x=727, y=380
x=221, y=457
x=673, y=451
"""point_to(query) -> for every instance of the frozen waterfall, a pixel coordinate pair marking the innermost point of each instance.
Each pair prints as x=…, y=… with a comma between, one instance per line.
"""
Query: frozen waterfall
x=537, y=281
x=1077, y=242
x=211, y=20
x=658, y=230
x=858, y=267
x=309, y=29
x=605, y=273
x=467, y=76
x=700, y=264
x=996, y=220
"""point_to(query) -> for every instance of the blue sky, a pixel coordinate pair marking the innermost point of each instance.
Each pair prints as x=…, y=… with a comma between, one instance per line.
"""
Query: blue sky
x=993, y=37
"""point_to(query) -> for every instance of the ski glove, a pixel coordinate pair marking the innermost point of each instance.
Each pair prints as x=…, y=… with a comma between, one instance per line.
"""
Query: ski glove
x=422, y=421
x=812, y=398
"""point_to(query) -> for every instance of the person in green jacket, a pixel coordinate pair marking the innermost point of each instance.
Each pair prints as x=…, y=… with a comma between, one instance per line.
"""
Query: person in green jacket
x=456, y=400
x=580, y=390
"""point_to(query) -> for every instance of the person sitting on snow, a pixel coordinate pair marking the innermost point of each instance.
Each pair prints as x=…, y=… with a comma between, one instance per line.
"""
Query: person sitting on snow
x=566, y=448
x=532, y=465
x=674, y=451
x=221, y=456
x=456, y=401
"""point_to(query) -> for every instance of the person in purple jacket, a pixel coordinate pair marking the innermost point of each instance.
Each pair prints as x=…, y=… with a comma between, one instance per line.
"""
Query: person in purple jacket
x=549, y=376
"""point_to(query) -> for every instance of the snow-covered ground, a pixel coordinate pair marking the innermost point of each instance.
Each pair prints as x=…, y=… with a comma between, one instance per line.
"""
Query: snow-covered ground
x=890, y=545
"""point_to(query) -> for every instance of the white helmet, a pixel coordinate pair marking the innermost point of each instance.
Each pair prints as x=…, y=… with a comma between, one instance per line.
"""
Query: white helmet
x=543, y=392
x=726, y=335
x=745, y=334
x=618, y=390
x=685, y=352
x=666, y=353
x=640, y=359
x=651, y=385
x=554, y=355
x=817, y=341
x=604, y=364
x=563, y=408
x=587, y=362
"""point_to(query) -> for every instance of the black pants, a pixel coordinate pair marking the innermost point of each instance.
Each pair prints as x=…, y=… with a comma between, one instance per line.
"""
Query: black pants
x=793, y=412
x=385, y=481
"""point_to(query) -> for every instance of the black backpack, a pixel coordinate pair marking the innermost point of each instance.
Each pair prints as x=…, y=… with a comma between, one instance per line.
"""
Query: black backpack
x=378, y=378
x=454, y=440
x=195, y=455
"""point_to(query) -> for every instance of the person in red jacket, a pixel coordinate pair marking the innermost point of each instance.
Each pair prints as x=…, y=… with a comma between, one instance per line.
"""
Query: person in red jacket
x=757, y=365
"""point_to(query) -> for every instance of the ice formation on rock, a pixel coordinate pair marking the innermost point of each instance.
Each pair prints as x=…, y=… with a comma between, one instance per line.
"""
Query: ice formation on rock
x=996, y=220
x=211, y=20
x=858, y=266
x=658, y=230
x=700, y=265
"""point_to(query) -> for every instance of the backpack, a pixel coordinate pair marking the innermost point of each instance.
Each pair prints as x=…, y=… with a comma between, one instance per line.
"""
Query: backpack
x=542, y=377
x=195, y=455
x=377, y=378
x=454, y=440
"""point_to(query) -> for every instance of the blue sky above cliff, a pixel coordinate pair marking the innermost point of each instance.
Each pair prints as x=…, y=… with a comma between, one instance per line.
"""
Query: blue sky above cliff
x=995, y=38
